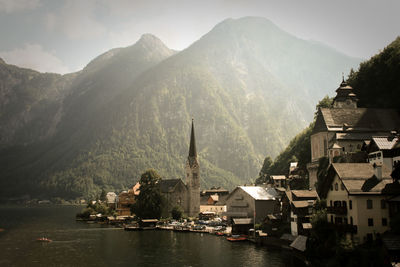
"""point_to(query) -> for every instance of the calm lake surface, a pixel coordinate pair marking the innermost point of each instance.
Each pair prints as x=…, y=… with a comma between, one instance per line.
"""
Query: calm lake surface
x=81, y=244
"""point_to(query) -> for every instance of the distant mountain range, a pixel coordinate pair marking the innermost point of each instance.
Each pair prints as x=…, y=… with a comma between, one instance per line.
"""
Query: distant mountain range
x=249, y=86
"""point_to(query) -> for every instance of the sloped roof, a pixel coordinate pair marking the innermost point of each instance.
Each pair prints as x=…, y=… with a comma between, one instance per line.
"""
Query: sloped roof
x=301, y=204
x=168, y=185
x=359, y=119
x=260, y=193
x=305, y=193
x=385, y=143
x=242, y=220
x=299, y=243
x=111, y=197
x=359, y=178
x=214, y=197
x=353, y=136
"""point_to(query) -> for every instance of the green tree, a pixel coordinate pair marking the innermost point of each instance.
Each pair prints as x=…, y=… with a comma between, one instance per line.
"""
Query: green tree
x=103, y=195
x=325, y=102
x=263, y=175
x=149, y=202
x=176, y=213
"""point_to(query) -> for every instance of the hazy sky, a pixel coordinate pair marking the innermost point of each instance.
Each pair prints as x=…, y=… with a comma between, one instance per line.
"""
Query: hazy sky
x=64, y=35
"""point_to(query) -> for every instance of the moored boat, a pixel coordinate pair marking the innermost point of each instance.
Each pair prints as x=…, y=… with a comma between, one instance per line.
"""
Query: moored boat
x=236, y=238
x=43, y=239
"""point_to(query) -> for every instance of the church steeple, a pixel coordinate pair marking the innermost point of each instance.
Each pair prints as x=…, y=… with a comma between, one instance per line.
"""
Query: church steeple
x=192, y=147
x=193, y=177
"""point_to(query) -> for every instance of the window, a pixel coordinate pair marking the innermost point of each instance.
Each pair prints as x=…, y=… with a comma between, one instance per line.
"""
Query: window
x=384, y=222
x=383, y=204
x=369, y=204
x=345, y=220
x=331, y=218
x=342, y=187
x=336, y=187
x=330, y=203
x=344, y=204
x=370, y=222
x=331, y=187
x=351, y=220
x=350, y=204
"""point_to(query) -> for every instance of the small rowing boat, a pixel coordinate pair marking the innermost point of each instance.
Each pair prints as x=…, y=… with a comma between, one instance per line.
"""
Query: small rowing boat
x=43, y=239
x=236, y=238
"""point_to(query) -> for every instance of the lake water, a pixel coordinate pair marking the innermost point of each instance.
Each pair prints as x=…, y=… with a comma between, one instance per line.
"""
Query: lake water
x=81, y=244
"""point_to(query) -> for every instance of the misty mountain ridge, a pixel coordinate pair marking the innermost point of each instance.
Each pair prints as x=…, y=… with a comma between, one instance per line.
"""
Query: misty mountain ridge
x=249, y=86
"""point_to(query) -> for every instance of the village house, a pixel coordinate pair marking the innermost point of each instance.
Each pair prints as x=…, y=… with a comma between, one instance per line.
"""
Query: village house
x=215, y=190
x=342, y=129
x=383, y=150
x=111, y=200
x=253, y=202
x=355, y=202
x=213, y=203
x=297, y=207
x=126, y=199
x=279, y=181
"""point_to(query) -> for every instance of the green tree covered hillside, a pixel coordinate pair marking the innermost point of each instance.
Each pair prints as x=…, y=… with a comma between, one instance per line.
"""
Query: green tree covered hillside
x=246, y=83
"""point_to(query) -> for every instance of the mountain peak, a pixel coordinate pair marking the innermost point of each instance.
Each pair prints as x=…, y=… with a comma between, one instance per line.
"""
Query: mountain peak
x=150, y=40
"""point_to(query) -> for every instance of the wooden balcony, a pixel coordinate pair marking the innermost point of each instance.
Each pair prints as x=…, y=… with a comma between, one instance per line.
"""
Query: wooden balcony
x=337, y=210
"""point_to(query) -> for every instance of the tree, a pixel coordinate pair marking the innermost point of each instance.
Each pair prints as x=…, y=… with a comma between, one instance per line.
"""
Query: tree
x=149, y=202
x=103, y=195
x=263, y=176
x=325, y=102
x=176, y=213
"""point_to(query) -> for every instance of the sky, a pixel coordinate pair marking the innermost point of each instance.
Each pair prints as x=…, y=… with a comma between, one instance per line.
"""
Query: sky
x=62, y=36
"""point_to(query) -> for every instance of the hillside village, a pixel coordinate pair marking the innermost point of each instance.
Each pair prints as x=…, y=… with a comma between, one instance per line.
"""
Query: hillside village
x=353, y=179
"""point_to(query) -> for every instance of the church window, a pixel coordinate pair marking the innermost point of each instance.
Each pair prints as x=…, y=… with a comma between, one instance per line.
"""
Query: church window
x=194, y=175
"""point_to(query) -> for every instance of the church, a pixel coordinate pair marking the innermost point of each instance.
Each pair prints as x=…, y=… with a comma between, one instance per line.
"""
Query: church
x=342, y=129
x=185, y=195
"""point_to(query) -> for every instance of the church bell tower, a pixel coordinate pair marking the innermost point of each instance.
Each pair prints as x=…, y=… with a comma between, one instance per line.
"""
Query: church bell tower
x=193, y=177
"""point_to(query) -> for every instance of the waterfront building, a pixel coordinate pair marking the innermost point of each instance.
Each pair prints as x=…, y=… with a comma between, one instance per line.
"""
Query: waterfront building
x=213, y=203
x=355, y=202
x=111, y=200
x=125, y=200
x=297, y=207
x=253, y=202
x=342, y=129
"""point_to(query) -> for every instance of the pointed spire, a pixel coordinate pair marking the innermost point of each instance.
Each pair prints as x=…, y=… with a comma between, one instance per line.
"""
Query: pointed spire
x=192, y=148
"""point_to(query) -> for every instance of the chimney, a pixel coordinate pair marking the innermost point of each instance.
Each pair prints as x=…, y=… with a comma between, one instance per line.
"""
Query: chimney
x=378, y=171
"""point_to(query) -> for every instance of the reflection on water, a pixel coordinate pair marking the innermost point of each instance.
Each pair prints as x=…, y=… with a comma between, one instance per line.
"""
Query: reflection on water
x=80, y=244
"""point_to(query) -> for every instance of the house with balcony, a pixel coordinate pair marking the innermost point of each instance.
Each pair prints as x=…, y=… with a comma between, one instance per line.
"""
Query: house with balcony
x=355, y=202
